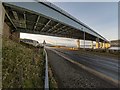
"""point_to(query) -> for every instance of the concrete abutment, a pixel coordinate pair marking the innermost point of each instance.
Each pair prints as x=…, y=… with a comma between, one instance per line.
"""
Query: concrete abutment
x=5, y=30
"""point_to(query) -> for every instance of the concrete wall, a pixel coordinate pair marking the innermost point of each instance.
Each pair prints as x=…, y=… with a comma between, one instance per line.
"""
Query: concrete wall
x=2, y=14
x=15, y=36
x=5, y=33
x=6, y=30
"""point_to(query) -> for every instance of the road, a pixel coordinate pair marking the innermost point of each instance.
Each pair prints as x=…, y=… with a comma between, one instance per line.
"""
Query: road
x=108, y=66
x=69, y=75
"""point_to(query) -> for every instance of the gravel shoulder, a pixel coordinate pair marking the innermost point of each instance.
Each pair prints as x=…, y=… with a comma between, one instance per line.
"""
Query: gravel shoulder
x=69, y=75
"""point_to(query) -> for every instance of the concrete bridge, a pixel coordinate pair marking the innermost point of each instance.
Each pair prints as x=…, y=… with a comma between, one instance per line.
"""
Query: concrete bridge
x=46, y=19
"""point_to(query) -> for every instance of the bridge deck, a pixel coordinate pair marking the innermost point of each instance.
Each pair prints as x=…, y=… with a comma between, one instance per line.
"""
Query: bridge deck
x=47, y=19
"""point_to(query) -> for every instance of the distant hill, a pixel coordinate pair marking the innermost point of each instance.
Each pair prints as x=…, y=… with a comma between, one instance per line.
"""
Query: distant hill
x=115, y=43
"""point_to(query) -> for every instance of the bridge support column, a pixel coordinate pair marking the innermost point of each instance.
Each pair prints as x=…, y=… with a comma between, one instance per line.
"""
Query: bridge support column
x=78, y=43
x=92, y=45
x=107, y=45
x=84, y=40
x=97, y=43
x=103, y=46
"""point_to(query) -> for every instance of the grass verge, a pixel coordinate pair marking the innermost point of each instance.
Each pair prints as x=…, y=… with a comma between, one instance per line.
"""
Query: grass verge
x=22, y=67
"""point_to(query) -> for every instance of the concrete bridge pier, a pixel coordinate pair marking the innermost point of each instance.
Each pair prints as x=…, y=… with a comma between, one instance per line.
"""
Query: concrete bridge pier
x=107, y=45
x=103, y=45
x=92, y=45
x=84, y=40
x=78, y=43
x=97, y=43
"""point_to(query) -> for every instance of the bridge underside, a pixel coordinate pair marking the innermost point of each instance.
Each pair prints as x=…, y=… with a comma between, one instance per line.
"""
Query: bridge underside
x=27, y=21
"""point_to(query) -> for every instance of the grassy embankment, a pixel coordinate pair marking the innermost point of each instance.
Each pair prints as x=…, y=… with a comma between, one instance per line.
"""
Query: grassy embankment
x=23, y=67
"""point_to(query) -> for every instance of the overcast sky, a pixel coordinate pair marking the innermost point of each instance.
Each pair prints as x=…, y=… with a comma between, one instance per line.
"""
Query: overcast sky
x=100, y=16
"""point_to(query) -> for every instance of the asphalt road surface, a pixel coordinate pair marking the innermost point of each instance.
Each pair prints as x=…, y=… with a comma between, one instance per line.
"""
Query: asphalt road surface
x=69, y=75
x=108, y=66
